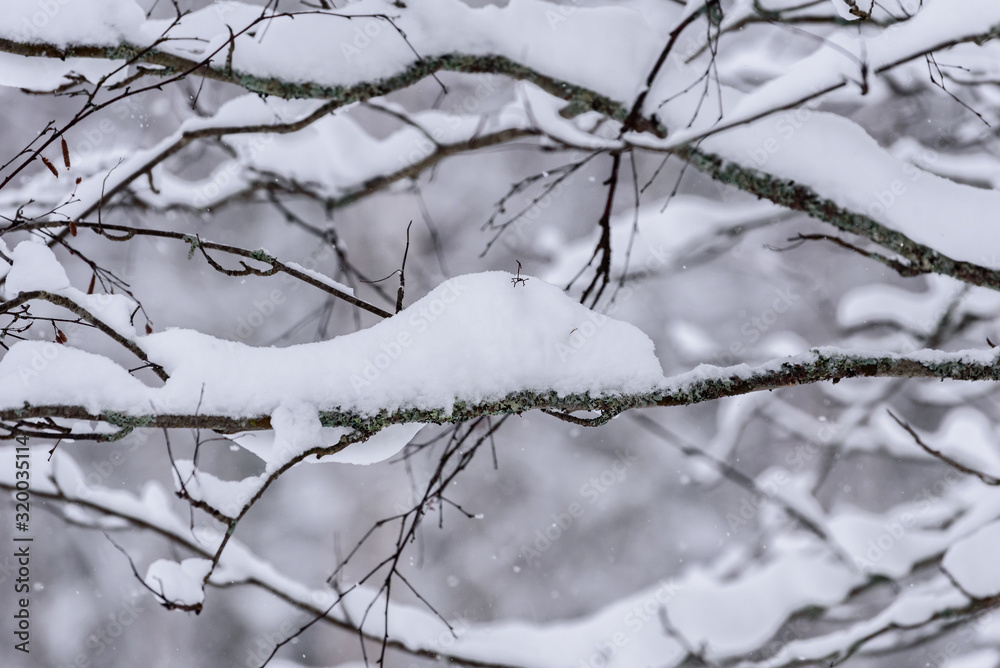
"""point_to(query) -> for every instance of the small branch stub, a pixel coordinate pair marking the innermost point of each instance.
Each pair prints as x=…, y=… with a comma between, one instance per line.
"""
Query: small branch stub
x=517, y=279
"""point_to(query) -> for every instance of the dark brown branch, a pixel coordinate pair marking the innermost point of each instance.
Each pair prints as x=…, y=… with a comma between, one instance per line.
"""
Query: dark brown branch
x=937, y=454
x=187, y=542
x=195, y=242
x=88, y=317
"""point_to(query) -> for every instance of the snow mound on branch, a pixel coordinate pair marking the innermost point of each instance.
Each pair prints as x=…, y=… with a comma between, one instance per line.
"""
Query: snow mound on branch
x=63, y=23
x=43, y=373
x=37, y=268
x=179, y=583
x=383, y=445
x=474, y=338
x=97, y=22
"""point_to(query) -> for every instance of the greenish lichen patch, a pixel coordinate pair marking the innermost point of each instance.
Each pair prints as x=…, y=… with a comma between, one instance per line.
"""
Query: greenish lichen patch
x=262, y=256
x=193, y=243
x=129, y=421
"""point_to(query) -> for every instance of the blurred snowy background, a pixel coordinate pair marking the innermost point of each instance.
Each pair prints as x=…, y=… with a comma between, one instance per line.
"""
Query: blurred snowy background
x=715, y=280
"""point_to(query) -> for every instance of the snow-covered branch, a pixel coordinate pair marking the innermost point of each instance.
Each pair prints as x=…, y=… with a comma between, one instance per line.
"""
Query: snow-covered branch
x=586, y=148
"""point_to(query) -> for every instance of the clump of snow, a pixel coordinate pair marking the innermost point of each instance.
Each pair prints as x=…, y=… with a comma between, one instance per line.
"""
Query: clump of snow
x=36, y=268
x=379, y=447
x=227, y=496
x=331, y=50
x=473, y=339
x=45, y=374
x=296, y=428
x=180, y=583
x=493, y=337
x=95, y=22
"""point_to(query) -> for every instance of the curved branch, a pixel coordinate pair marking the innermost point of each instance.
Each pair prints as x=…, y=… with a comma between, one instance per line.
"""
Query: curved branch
x=90, y=318
x=278, y=585
x=340, y=95
x=785, y=193
x=797, y=197
x=273, y=183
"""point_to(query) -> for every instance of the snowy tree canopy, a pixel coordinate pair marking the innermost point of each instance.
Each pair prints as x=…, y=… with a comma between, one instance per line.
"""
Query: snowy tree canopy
x=502, y=258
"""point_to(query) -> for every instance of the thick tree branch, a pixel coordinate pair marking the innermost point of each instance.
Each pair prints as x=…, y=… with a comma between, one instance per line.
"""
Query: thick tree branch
x=785, y=193
x=797, y=197
x=341, y=95
x=693, y=388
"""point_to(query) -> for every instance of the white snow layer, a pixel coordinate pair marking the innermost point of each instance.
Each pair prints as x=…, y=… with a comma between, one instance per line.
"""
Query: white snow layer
x=180, y=583
x=493, y=336
x=62, y=22
x=36, y=268
x=606, y=49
